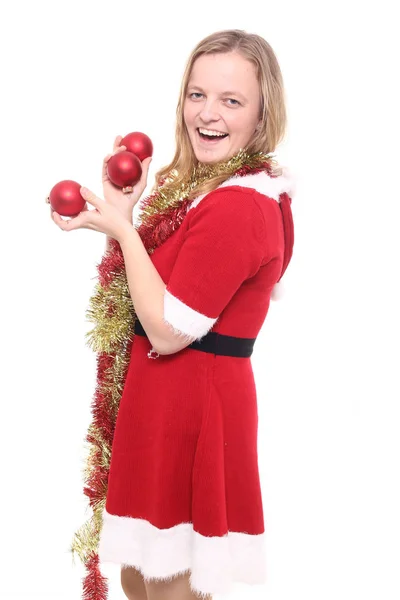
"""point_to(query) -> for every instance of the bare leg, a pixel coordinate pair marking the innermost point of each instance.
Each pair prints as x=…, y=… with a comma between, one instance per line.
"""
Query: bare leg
x=176, y=589
x=133, y=584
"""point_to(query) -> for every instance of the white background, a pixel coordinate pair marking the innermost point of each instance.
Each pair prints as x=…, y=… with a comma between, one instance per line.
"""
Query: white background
x=76, y=74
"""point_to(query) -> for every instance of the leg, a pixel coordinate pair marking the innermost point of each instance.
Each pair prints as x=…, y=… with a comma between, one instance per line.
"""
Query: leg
x=133, y=584
x=176, y=589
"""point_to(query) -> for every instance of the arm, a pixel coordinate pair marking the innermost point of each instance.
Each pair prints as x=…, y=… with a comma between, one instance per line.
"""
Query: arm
x=108, y=238
x=224, y=246
x=147, y=292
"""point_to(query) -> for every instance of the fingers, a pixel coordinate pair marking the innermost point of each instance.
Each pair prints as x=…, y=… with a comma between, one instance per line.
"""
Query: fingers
x=117, y=142
x=74, y=223
x=91, y=197
x=142, y=183
x=87, y=219
x=145, y=171
x=146, y=163
x=52, y=210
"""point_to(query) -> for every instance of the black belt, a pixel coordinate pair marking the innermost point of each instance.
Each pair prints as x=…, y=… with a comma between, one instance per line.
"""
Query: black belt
x=215, y=343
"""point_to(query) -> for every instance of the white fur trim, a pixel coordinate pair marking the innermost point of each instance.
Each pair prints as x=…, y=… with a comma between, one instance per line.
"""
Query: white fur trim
x=261, y=182
x=278, y=291
x=185, y=322
x=215, y=562
x=196, y=201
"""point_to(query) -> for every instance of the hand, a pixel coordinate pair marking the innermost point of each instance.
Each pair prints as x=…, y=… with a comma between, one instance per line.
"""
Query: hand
x=105, y=218
x=113, y=194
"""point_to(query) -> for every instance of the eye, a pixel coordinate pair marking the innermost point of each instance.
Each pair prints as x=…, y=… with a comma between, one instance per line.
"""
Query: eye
x=236, y=102
x=195, y=95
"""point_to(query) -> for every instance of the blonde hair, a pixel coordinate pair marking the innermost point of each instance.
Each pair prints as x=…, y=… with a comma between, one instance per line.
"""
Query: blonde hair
x=273, y=110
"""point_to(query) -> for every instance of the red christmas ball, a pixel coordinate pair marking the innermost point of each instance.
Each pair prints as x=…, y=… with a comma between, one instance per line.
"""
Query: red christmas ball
x=138, y=143
x=124, y=169
x=65, y=198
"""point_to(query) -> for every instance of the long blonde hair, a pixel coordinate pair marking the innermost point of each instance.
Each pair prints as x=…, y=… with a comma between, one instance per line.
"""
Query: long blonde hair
x=273, y=118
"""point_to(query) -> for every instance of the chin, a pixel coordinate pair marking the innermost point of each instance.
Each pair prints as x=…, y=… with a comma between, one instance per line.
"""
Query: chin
x=208, y=160
x=211, y=157
x=217, y=159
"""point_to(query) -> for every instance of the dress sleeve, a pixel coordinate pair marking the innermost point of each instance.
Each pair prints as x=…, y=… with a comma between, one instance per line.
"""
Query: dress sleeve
x=223, y=246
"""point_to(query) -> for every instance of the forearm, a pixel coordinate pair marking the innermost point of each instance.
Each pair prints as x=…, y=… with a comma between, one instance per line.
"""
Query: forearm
x=146, y=289
x=108, y=238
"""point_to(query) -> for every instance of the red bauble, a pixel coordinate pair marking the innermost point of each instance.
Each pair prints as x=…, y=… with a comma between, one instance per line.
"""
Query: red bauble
x=65, y=198
x=138, y=143
x=124, y=169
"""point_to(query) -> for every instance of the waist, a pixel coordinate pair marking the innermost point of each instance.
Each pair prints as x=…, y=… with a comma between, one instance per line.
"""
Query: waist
x=215, y=343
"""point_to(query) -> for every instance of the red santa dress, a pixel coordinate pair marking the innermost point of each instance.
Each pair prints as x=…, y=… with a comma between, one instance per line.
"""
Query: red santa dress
x=184, y=489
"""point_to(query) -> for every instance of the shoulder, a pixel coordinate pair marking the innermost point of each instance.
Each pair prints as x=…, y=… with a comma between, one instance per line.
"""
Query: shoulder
x=228, y=210
x=254, y=195
x=265, y=191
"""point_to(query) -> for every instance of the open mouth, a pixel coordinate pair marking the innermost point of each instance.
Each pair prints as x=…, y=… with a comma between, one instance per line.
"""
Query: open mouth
x=212, y=136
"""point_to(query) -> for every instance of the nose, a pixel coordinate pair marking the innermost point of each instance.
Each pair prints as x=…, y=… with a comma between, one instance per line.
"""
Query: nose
x=209, y=111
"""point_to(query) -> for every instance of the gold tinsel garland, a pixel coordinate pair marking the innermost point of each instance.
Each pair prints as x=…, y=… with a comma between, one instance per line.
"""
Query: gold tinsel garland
x=112, y=313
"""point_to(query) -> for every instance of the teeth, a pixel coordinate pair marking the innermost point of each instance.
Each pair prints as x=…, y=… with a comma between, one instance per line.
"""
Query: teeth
x=210, y=132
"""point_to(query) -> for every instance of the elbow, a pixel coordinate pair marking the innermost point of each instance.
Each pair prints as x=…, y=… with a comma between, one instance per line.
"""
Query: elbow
x=164, y=348
x=166, y=351
x=172, y=345
x=170, y=340
x=157, y=346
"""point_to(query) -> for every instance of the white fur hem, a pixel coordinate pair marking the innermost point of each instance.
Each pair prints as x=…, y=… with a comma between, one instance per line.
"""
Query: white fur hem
x=215, y=563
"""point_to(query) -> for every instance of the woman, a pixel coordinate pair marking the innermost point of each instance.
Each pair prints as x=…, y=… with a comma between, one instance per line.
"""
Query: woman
x=183, y=514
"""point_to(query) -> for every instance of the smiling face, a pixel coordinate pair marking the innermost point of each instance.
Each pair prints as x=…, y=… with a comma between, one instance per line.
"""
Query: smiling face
x=222, y=105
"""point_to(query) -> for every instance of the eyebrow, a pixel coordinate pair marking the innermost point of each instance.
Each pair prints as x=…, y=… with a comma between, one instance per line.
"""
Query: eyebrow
x=197, y=87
